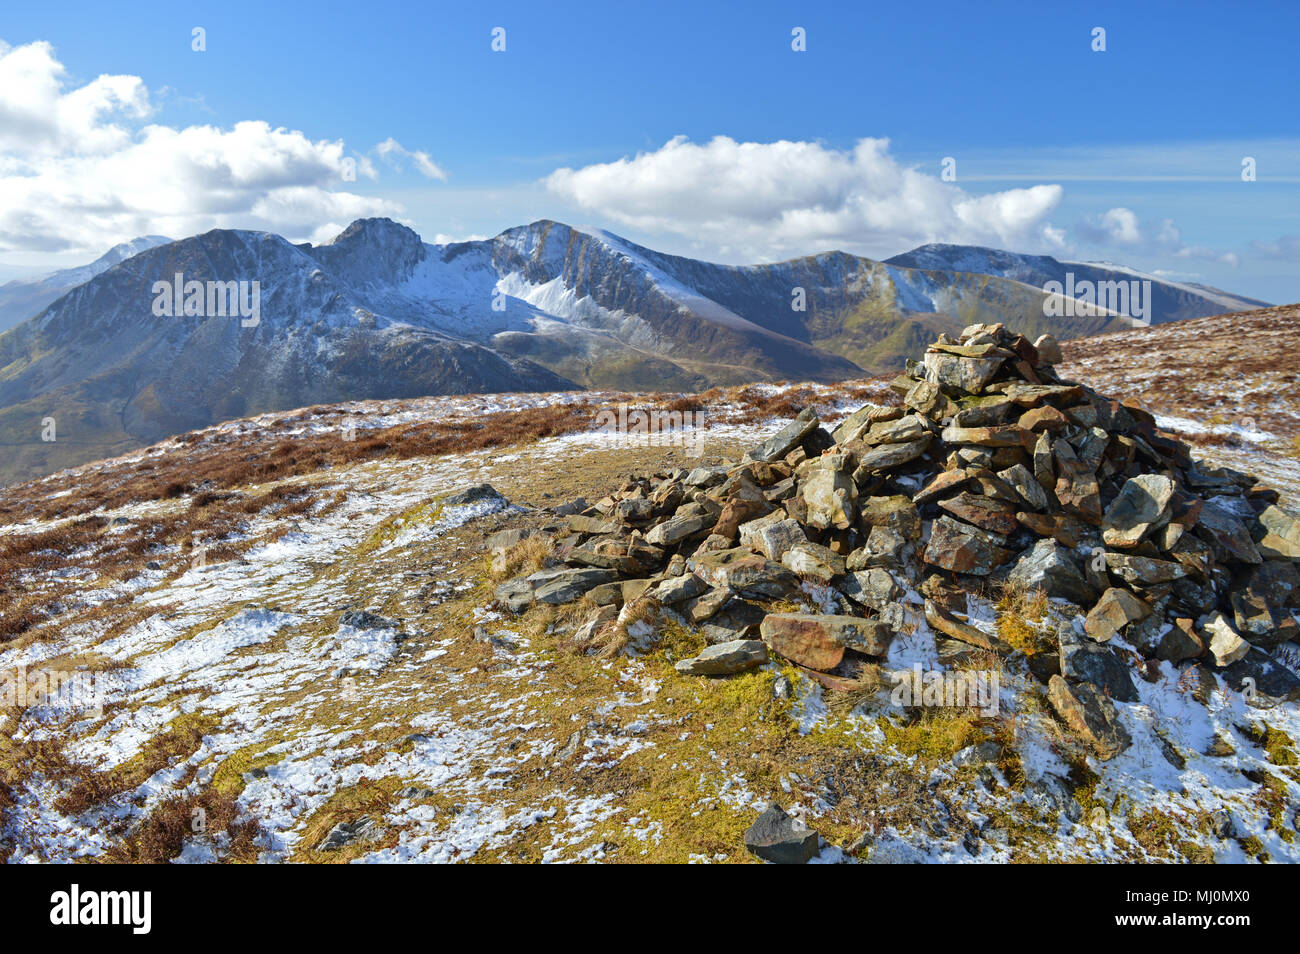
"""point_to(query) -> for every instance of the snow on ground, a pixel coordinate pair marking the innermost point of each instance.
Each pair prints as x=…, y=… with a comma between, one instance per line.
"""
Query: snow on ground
x=255, y=644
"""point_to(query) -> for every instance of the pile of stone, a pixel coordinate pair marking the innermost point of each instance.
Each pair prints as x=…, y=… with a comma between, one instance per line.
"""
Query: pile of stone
x=989, y=470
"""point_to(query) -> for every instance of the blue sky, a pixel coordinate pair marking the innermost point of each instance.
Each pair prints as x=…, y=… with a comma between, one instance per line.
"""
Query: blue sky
x=1133, y=154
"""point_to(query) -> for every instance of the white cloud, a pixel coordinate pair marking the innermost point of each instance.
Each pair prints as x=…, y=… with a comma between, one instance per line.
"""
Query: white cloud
x=1121, y=227
x=81, y=168
x=1115, y=225
x=391, y=150
x=781, y=198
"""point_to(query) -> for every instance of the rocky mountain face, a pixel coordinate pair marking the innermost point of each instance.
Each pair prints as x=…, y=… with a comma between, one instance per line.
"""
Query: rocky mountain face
x=23, y=298
x=378, y=313
x=1169, y=301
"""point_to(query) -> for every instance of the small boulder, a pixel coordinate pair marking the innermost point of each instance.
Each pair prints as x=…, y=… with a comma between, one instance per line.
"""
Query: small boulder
x=1090, y=715
x=724, y=659
x=780, y=839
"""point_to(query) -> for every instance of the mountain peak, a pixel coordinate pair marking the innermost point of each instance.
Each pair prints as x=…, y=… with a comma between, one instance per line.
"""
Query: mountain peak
x=370, y=251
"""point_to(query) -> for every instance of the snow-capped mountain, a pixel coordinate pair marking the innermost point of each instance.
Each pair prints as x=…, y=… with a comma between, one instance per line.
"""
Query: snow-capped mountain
x=378, y=313
x=23, y=298
x=1169, y=300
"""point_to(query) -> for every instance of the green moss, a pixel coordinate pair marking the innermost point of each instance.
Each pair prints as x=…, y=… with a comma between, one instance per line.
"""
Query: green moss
x=229, y=779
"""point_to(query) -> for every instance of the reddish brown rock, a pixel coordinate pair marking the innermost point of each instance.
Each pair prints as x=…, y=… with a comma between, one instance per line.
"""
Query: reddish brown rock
x=804, y=639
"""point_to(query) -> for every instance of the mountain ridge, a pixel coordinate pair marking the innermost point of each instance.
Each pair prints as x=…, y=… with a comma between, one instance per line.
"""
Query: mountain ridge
x=379, y=313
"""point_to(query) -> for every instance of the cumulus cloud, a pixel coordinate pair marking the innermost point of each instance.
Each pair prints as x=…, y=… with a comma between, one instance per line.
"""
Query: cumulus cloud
x=392, y=150
x=1121, y=228
x=778, y=198
x=82, y=168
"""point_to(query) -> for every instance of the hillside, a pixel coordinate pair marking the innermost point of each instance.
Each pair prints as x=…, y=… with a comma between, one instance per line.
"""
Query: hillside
x=299, y=626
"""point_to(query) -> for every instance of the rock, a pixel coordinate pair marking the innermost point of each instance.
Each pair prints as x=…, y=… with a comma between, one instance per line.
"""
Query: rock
x=1143, y=571
x=780, y=839
x=874, y=588
x=814, y=561
x=1006, y=436
x=830, y=493
x=1049, y=567
x=1224, y=642
x=959, y=373
x=807, y=639
x=1090, y=715
x=963, y=549
x=724, y=659
x=772, y=537
x=896, y=512
x=1076, y=488
x=885, y=548
x=1027, y=488
x=982, y=512
x=361, y=619
x=944, y=622
x=477, y=493
x=941, y=484
x=565, y=586
x=737, y=619
x=1049, y=351
x=1280, y=536
x=1227, y=535
x=889, y=456
x=1097, y=665
x=579, y=523
x=679, y=589
x=973, y=756
x=743, y=571
x=631, y=557
x=1144, y=503
x=348, y=833
x=680, y=528
x=1115, y=610
x=823, y=633
x=1262, y=681
x=786, y=439
x=505, y=539
x=1180, y=643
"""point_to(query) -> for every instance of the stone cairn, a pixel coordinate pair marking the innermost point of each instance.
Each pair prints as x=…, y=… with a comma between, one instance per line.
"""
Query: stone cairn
x=991, y=470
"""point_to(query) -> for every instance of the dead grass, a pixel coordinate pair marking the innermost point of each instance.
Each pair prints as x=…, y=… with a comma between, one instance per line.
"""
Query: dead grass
x=162, y=835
